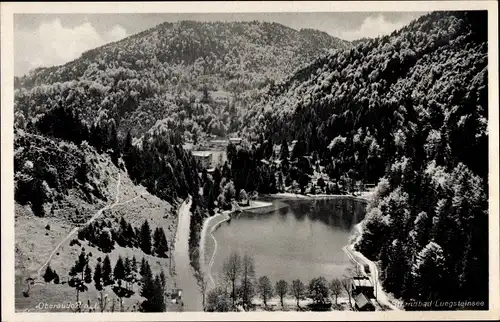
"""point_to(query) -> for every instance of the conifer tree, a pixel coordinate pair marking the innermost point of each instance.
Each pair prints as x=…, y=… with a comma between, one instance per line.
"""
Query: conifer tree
x=77, y=274
x=128, y=272
x=99, y=285
x=163, y=280
x=131, y=236
x=88, y=274
x=159, y=304
x=284, y=152
x=119, y=269
x=160, y=242
x=137, y=233
x=106, y=242
x=147, y=286
x=145, y=238
x=107, y=275
x=49, y=274
x=134, y=266
x=119, y=274
x=143, y=267
x=122, y=239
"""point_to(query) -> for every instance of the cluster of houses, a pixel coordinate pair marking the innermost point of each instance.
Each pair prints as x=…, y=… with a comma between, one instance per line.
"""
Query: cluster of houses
x=211, y=153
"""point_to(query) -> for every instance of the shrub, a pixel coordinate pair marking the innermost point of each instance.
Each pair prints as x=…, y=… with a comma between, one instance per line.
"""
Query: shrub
x=56, y=278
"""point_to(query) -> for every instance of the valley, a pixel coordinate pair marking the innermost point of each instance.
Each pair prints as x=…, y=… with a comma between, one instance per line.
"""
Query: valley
x=216, y=166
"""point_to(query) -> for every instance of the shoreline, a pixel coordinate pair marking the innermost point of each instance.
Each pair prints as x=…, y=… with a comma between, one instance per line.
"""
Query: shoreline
x=222, y=217
x=294, y=196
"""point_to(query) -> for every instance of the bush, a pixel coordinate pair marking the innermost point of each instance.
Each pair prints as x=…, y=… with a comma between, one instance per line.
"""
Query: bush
x=47, y=227
x=56, y=278
x=74, y=242
x=49, y=274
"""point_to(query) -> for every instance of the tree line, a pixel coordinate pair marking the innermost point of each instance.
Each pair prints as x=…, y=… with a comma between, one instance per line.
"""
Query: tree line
x=158, y=162
x=125, y=278
x=103, y=235
x=240, y=286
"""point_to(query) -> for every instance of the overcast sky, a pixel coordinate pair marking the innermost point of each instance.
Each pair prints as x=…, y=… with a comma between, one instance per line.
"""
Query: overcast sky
x=54, y=39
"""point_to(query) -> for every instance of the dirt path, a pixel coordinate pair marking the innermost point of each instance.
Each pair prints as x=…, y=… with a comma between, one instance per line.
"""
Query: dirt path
x=93, y=218
x=224, y=217
x=191, y=294
x=74, y=230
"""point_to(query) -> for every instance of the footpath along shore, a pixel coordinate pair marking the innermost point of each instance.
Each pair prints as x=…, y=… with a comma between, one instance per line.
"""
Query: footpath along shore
x=209, y=226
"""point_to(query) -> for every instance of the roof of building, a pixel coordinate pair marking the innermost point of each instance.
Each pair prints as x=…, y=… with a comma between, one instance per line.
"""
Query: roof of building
x=234, y=139
x=361, y=282
x=362, y=301
x=202, y=153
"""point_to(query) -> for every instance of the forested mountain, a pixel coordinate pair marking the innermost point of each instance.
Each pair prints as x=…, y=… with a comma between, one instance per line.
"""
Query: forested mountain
x=410, y=109
x=190, y=76
x=407, y=111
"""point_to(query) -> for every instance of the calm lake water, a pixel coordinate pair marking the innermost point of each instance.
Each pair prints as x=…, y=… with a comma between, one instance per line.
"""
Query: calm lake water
x=293, y=239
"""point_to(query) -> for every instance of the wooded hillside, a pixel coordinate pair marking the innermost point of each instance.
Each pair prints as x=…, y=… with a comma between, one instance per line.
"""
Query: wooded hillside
x=410, y=109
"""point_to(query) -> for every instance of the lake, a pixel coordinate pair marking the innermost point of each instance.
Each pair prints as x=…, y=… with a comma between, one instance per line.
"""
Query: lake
x=292, y=239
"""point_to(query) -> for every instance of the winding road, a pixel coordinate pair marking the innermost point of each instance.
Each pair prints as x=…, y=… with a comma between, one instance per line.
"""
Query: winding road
x=359, y=259
x=191, y=293
x=93, y=218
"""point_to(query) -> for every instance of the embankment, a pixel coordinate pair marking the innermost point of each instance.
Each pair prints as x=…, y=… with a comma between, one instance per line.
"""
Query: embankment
x=210, y=225
x=287, y=195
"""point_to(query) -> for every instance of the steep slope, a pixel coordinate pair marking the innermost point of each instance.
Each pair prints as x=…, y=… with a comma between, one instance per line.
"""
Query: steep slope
x=49, y=225
x=195, y=75
x=410, y=108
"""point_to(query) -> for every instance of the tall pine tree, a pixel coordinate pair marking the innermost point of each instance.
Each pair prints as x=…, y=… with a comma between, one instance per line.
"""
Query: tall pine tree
x=145, y=238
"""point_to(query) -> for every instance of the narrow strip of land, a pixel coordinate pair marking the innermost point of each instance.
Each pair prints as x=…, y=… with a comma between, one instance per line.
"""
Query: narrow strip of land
x=360, y=260
x=221, y=218
x=191, y=294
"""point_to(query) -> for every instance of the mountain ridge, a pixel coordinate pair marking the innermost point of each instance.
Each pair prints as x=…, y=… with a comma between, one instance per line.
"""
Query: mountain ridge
x=156, y=74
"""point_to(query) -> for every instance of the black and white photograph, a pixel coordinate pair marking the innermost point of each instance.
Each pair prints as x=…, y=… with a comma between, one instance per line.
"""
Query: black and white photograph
x=247, y=162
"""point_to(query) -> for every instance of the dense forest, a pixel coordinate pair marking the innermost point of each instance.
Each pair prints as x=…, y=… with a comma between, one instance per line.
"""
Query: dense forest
x=188, y=77
x=410, y=109
x=159, y=164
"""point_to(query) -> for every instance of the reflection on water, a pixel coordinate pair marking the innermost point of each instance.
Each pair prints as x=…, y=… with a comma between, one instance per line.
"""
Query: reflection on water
x=293, y=238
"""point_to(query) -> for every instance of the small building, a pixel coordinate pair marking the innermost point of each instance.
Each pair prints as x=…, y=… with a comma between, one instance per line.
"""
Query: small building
x=204, y=158
x=362, y=285
x=176, y=295
x=362, y=303
x=235, y=141
x=188, y=146
x=219, y=143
